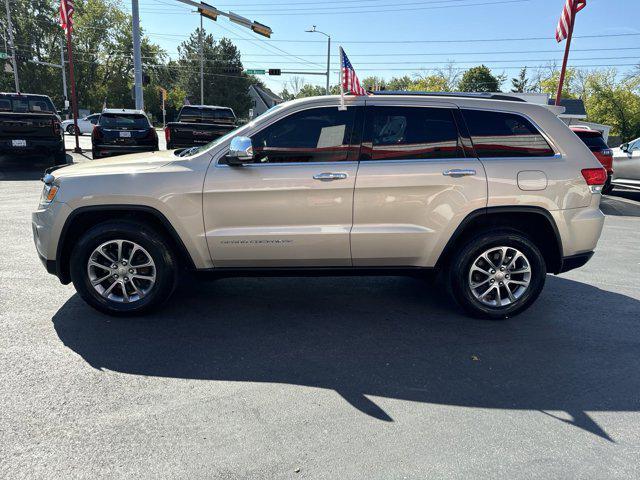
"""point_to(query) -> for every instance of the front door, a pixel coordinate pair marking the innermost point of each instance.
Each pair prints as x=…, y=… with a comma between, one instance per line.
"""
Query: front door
x=293, y=207
x=414, y=185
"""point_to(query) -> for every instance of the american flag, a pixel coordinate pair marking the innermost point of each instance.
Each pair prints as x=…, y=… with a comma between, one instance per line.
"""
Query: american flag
x=66, y=14
x=566, y=19
x=350, y=82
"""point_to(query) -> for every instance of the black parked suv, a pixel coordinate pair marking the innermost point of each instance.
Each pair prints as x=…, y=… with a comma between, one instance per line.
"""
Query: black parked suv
x=30, y=123
x=121, y=131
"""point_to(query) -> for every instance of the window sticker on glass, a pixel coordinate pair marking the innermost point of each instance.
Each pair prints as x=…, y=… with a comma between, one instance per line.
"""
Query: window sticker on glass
x=331, y=136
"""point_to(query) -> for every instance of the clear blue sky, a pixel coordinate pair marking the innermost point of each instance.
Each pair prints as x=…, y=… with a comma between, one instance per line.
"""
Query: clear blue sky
x=413, y=35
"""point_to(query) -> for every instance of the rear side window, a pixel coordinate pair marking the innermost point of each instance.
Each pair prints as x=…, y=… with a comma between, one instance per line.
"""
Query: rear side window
x=124, y=121
x=194, y=114
x=27, y=104
x=496, y=134
x=397, y=133
x=592, y=140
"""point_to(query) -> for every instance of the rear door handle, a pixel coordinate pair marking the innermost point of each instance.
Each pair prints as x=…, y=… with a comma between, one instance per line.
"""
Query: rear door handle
x=328, y=176
x=459, y=172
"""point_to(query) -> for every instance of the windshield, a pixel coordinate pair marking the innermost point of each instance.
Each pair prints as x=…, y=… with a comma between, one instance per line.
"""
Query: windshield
x=124, y=121
x=233, y=133
x=593, y=140
x=27, y=104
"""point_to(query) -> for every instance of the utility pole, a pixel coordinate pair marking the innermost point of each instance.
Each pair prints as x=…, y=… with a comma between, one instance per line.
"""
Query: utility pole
x=137, y=55
x=12, y=46
x=313, y=30
x=201, y=62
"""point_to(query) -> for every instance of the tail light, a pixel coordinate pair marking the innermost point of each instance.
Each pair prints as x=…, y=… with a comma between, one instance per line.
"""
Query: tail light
x=167, y=134
x=96, y=133
x=152, y=135
x=57, y=129
x=595, y=178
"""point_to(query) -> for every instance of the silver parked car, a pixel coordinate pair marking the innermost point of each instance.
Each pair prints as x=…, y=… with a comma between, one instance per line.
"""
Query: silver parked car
x=493, y=193
x=626, y=165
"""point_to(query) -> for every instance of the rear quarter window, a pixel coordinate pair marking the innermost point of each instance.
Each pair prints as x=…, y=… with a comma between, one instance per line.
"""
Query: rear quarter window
x=498, y=134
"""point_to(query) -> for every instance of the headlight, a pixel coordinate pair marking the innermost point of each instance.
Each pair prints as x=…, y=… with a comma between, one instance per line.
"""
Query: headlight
x=48, y=194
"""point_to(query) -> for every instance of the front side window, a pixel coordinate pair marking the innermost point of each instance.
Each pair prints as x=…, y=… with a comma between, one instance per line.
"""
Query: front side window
x=497, y=134
x=93, y=119
x=314, y=135
x=396, y=133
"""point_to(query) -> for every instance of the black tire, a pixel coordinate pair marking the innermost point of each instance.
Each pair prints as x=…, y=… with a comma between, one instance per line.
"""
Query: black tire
x=94, y=154
x=158, y=248
x=608, y=187
x=71, y=129
x=459, y=282
x=60, y=158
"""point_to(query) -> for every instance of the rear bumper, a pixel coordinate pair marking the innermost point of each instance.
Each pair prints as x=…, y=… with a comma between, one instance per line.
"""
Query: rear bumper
x=575, y=261
x=109, y=150
x=50, y=145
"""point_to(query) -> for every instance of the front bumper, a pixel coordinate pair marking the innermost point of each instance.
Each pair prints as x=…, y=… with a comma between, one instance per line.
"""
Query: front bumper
x=46, y=224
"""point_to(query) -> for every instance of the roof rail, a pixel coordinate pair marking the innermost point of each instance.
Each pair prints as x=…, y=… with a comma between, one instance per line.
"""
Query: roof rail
x=488, y=96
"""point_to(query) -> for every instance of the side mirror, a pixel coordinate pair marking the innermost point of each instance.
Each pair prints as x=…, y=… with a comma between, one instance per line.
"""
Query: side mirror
x=240, y=151
x=624, y=147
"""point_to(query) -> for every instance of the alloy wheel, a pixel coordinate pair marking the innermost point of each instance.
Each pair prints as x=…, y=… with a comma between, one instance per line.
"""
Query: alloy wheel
x=499, y=276
x=121, y=271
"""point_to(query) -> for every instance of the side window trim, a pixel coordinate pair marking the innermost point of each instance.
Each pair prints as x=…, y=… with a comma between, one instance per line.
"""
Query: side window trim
x=454, y=109
x=552, y=145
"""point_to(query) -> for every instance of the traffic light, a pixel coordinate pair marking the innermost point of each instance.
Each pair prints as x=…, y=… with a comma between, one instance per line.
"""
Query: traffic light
x=275, y=71
x=261, y=29
x=210, y=12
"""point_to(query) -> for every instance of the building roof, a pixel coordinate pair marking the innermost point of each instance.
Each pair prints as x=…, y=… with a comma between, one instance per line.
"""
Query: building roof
x=573, y=107
x=266, y=95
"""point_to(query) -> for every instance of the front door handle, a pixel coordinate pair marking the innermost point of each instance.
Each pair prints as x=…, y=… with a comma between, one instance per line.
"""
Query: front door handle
x=328, y=176
x=459, y=172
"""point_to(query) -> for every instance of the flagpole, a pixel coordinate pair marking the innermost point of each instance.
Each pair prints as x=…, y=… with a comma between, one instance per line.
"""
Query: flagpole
x=566, y=55
x=74, y=98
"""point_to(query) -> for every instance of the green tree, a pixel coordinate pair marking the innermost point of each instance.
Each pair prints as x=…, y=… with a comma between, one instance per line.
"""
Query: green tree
x=614, y=103
x=548, y=82
x=431, y=83
x=399, y=84
x=521, y=83
x=225, y=84
x=479, y=79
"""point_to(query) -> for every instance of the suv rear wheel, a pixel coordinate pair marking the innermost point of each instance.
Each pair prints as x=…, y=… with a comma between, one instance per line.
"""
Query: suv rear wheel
x=497, y=275
x=121, y=268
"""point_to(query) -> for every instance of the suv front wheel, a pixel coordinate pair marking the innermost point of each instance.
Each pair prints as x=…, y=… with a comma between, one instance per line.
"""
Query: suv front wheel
x=497, y=275
x=122, y=268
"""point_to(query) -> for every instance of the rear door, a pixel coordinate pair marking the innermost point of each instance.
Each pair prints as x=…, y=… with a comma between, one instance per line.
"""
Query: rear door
x=415, y=184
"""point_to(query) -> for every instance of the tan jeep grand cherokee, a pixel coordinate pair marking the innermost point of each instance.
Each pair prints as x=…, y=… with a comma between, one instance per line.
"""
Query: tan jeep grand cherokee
x=493, y=193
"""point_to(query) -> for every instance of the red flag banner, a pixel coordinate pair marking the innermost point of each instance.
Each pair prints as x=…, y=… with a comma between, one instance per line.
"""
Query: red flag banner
x=571, y=7
x=66, y=14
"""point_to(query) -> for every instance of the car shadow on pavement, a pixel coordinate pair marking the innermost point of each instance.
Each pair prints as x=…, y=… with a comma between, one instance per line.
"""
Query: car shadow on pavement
x=575, y=351
x=25, y=166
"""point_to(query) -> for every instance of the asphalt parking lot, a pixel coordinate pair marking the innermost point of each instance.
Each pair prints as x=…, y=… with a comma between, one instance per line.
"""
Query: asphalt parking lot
x=339, y=378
